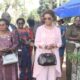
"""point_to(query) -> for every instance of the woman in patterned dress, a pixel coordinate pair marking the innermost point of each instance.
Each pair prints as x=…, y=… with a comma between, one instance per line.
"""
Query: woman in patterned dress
x=25, y=56
x=8, y=44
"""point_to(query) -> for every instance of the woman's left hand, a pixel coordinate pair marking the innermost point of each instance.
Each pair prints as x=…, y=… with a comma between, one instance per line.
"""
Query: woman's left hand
x=11, y=49
x=51, y=46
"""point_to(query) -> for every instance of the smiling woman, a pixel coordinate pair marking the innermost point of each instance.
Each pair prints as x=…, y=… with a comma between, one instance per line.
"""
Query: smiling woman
x=7, y=45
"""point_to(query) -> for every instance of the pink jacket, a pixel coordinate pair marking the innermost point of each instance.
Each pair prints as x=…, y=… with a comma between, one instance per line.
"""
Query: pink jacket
x=46, y=37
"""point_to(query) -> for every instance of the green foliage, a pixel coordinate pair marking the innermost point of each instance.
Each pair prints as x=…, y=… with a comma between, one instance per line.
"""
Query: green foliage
x=44, y=5
x=34, y=15
x=17, y=7
x=1, y=7
x=19, y=10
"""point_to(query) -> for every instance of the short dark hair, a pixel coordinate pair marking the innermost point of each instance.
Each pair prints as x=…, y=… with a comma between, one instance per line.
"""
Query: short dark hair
x=20, y=19
x=6, y=21
x=31, y=22
x=61, y=20
x=49, y=12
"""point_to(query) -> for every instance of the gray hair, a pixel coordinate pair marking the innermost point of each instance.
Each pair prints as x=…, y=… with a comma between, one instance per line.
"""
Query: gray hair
x=6, y=16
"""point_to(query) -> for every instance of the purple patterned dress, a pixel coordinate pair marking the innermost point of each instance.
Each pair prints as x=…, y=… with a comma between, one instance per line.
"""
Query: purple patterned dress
x=7, y=72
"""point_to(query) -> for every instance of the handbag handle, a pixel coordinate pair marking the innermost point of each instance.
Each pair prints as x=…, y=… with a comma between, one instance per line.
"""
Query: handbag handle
x=44, y=49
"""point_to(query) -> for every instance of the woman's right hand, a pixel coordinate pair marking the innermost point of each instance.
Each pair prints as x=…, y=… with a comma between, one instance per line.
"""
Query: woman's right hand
x=5, y=50
x=43, y=47
x=51, y=46
x=40, y=47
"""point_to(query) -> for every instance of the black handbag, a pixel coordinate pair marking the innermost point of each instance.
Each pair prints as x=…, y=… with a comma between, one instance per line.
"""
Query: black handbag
x=47, y=59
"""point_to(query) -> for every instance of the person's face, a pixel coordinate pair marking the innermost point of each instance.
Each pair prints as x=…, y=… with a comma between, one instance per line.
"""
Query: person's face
x=77, y=21
x=20, y=24
x=3, y=26
x=48, y=19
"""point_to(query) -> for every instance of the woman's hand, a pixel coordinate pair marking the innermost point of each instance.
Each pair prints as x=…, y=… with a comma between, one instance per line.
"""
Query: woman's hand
x=31, y=44
x=51, y=46
x=40, y=47
x=5, y=50
x=73, y=38
x=11, y=49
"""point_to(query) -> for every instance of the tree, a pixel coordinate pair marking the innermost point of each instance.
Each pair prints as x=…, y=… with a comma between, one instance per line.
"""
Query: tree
x=17, y=8
x=44, y=5
x=34, y=15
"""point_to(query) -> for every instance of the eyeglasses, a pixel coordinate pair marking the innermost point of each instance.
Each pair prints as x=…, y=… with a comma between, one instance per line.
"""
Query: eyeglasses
x=48, y=18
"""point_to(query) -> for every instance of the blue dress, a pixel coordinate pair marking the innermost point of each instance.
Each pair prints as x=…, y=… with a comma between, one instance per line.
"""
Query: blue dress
x=62, y=48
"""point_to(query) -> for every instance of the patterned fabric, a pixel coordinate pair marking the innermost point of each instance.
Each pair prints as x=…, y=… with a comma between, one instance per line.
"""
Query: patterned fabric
x=30, y=32
x=72, y=69
x=25, y=57
x=24, y=36
x=76, y=68
x=7, y=72
x=5, y=42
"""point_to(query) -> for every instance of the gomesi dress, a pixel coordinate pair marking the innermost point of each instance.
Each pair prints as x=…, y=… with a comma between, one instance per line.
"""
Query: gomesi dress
x=7, y=72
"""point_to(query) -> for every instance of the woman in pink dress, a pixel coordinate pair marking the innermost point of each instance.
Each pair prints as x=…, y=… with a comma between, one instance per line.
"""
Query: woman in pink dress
x=48, y=39
x=8, y=44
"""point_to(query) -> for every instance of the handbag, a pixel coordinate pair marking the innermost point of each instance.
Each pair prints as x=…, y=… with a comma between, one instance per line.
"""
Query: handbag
x=10, y=58
x=47, y=59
